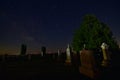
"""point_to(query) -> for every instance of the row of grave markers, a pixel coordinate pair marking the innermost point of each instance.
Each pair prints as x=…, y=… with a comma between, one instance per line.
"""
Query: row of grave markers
x=104, y=46
x=88, y=65
x=105, y=52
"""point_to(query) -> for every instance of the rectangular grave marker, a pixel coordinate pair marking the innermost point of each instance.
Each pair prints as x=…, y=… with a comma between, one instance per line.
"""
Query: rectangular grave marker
x=88, y=65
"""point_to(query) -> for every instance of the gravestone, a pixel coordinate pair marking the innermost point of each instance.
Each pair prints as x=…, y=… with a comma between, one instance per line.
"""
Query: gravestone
x=58, y=52
x=43, y=51
x=58, y=55
x=23, y=49
x=68, y=55
x=106, y=55
x=88, y=65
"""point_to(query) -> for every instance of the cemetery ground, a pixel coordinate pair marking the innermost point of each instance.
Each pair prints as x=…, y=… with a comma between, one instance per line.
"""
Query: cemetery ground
x=50, y=67
x=37, y=69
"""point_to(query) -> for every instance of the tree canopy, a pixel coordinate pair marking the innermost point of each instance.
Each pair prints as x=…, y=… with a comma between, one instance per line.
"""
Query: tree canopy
x=92, y=33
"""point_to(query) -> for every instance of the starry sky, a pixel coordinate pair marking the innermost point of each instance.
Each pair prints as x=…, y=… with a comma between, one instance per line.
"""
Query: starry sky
x=50, y=23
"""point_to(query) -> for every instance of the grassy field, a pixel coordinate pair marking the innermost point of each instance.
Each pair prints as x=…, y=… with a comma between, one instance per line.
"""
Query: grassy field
x=37, y=70
x=48, y=68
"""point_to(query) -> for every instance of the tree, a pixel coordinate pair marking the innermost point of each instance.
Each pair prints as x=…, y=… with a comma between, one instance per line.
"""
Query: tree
x=93, y=33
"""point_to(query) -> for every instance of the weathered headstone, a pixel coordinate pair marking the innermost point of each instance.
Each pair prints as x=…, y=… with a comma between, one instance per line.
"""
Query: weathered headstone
x=58, y=52
x=106, y=56
x=88, y=65
x=68, y=56
x=23, y=49
x=43, y=49
x=41, y=53
x=58, y=55
x=84, y=46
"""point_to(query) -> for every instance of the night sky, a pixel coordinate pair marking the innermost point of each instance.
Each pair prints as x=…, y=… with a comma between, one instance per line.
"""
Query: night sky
x=50, y=23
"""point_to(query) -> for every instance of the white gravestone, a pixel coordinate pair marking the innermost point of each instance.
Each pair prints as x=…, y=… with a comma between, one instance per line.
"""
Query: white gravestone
x=41, y=53
x=106, y=56
x=84, y=46
x=58, y=52
x=68, y=56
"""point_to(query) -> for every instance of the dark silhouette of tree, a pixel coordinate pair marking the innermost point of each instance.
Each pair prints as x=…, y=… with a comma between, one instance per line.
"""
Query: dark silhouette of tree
x=23, y=49
x=92, y=33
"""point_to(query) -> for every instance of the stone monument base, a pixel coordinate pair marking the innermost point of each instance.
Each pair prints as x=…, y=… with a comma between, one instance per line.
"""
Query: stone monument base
x=68, y=62
x=88, y=65
x=105, y=63
x=93, y=74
